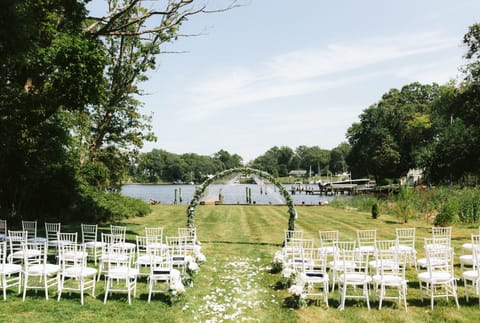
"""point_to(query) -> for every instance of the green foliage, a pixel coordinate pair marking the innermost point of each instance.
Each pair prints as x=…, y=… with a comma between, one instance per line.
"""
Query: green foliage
x=375, y=211
x=101, y=206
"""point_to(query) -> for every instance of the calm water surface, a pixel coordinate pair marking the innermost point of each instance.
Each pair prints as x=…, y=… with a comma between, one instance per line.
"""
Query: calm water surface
x=232, y=193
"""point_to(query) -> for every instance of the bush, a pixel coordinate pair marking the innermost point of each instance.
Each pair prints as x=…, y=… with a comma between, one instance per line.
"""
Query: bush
x=375, y=211
x=99, y=206
x=443, y=219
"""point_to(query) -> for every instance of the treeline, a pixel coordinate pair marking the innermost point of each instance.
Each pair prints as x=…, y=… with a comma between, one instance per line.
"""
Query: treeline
x=432, y=127
x=161, y=166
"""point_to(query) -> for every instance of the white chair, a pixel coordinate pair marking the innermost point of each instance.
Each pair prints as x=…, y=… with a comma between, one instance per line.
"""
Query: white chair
x=338, y=265
x=190, y=235
x=471, y=277
x=154, y=232
x=90, y=240
x=120, y=276
x=328, y=241
x=469, y=259
x=31, y=228
x=119, y=230
x=75, y=275
x=160, y=272
x=16, y=241
x=11, y=274
x=177, y=249
x=316, y=275
x=292, y=234
x=439, y=279
x=390, y=274
x=433, y=244
x=3, y=230
x=51, y=233
x=293, y=252
x=38, y=273
x=406, y=244
x=353, y=277
x=366, y=241
x=382, y=245
x=145, y=252
x=467, y=247
x=109, y=254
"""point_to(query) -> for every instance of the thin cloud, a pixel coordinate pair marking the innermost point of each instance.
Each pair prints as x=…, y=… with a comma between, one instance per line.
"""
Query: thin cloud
x=309, y=70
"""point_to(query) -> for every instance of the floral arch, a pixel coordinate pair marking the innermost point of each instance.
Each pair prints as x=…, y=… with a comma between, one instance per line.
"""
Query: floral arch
x=244, y=170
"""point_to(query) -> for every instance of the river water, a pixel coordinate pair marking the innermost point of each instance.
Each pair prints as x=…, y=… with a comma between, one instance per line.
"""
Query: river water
x=232, y=193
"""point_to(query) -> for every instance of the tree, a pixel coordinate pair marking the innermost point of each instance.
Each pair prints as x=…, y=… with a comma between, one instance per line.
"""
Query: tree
x=228, y=160
x=133, y=34
x=313, y=158
x=338, y=157
x=393, y=133
x=49, y=69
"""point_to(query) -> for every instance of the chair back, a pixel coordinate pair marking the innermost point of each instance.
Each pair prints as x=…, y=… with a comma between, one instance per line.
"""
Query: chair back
x=119, y=230
x=31, y=228
x=51, y=230
x=366, y=237
x=292, y=234
x=154, y=232
x=442, y=232
x=328, y=239
x=406, y=236
x=89, y=232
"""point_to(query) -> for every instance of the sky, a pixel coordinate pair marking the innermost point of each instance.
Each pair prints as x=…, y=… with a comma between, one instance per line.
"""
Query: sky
x=291, y=73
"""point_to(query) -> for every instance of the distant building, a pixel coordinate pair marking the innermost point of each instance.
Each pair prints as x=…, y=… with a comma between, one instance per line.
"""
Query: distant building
x=414, y=177
x=297, y=173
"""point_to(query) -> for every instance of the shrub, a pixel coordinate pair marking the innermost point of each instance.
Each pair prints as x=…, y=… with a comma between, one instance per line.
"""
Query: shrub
x=375, y=211
x=100, y=206
x=443, y=219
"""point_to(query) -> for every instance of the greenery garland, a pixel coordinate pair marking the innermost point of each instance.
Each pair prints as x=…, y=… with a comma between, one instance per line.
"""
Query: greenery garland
x=245, y=170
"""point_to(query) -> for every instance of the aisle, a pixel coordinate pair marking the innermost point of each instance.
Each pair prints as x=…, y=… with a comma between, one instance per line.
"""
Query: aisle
x=236, y=291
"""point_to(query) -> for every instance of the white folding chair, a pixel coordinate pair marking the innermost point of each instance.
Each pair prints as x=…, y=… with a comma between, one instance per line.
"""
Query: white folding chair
x=75, y=275
x=471, y=277
x=31, y=228
x=145, y=253
x=90, y=240
x=120, y=276
x=315, y=271
x=160, y=272
x=17, y=241
x=328, y=241
x=338, y=265
x=119, y=230
x=390, y=274
x=177, y=249
x=11, y=274
x=438, y=280
x=51, y=232
x=38, y=273
x=433, y=244
x=354, y=276
x=292, y=234
x=109, y=244
x=406, y=244
x=366, y=241
x=154, y=232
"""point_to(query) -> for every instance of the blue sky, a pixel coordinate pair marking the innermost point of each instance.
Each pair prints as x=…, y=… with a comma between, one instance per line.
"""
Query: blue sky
x=290, y=73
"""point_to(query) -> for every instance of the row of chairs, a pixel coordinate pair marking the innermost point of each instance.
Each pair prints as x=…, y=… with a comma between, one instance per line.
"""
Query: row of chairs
x=387, y=260
x=120, y=262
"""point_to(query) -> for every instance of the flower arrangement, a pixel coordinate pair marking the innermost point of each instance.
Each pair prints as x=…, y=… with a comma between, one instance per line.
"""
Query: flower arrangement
x=288, y=275
x=277, y=263
x=176, y=288
x=298, y=299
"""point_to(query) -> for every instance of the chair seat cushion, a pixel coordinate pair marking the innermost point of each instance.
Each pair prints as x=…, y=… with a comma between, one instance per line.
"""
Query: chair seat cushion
x=470, y=275
x=436, y=277
x=47, y=269
x=8, y=269
x=389, y=280
x=355, y=278
x=78, y=271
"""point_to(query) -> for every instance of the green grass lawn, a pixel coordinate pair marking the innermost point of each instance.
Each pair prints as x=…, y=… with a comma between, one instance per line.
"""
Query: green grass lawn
x=235, y=283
